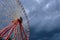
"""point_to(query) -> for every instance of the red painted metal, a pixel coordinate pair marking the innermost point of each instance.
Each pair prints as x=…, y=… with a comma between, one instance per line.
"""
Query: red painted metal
x=11, y=28
x=22, y=30
x=6, y=29
x=10, y=32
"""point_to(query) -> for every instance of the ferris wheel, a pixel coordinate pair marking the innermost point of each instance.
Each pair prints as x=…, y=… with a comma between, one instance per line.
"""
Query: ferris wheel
x=14, y=22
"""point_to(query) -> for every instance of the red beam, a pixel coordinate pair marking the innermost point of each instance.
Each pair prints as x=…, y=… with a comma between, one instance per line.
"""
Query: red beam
x=22, y=30
x=13, y=22
x=6, y=29
x=11, y=31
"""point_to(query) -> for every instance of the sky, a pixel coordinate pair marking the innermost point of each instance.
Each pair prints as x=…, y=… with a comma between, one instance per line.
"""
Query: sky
x=43, y=16
x=44, y=19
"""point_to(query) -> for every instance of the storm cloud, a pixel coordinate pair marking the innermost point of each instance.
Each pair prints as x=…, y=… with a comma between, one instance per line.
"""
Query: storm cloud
x=44, y=18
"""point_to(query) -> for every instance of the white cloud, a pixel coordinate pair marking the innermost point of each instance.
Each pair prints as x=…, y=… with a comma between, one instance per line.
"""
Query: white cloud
x=27, y=11
x=33, y=8
x=38, y=1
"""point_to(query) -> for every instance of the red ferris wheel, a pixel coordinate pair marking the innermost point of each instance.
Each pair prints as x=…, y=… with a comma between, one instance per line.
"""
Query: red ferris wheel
x=14, y=17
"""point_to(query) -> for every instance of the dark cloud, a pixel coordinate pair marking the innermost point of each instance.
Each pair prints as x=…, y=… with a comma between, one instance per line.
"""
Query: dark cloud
x=44, y=19
x=43, y=35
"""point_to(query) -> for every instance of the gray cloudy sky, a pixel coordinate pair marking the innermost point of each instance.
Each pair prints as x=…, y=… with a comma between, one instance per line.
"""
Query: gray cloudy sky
x=44, y=17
